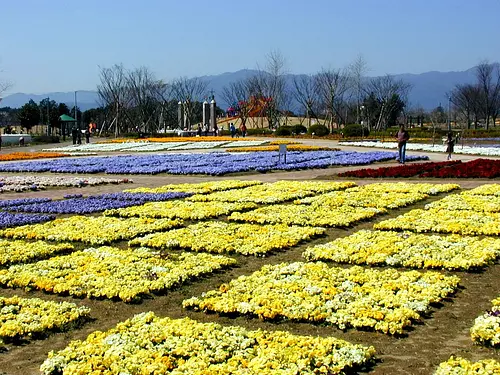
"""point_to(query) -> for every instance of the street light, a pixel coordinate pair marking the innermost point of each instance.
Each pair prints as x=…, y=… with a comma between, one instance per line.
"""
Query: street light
x=362, y=108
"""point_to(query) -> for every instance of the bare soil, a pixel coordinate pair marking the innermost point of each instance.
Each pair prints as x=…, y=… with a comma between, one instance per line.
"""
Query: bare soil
x=443, y=333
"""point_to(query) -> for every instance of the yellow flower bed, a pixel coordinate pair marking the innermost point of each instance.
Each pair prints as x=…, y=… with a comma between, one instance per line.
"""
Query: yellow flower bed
x=408, y=250
x=181, y=209
x=479, y=203
x=93, y=230
x=273, y=192
x=361, y=198
x=221, y=237
x=486, y=328
x=20, y=317
x=445, y=221
x=22, y=251
x=292, y=147
x=147, y=344
x=179, y=139
x=488, y=189
x=108, y=272
x=386, y=301
x=405, y=187
x=200, y=188
x=284, y=142
x=461, y=366
x=309, y=215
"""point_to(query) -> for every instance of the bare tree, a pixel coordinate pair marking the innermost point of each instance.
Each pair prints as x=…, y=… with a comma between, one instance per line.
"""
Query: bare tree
x=332, y=86
x=306, y=95
x=189, y=91
x=4, y=86
x=237, y=94
x=488, y=77
x=468, y=101
x=357, y=71
x=391, y=93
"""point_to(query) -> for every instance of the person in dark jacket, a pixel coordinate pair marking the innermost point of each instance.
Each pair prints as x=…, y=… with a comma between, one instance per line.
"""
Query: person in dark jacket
x=402, y=137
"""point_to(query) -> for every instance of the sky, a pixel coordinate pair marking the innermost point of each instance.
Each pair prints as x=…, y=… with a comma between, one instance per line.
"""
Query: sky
x=60, y=45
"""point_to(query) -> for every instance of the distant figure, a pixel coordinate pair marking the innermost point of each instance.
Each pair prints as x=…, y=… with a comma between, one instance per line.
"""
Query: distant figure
x=232, y=129
x=87, y=136
x=79, y=137
x=21, y=141
x=402, y=137
x=205, y=129
x=450, y=143
x=198, y=131
x=216, y=130
x=243, y=129
x=74, y=134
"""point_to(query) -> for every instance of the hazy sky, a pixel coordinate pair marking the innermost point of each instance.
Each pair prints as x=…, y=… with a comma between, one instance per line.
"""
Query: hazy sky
x=58, y=45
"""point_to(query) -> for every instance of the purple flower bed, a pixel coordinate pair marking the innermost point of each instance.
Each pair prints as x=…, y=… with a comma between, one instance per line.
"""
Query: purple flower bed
x=97, y=203
x=18, y=202
x=12, y=220
x=215, y=163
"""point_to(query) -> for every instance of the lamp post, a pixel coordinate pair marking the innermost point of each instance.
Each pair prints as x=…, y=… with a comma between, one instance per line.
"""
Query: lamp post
x=362, y=108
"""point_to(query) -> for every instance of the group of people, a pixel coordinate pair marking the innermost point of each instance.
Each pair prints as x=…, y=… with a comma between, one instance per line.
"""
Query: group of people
x=234, y=132
x=204, y=130
x=402, y=137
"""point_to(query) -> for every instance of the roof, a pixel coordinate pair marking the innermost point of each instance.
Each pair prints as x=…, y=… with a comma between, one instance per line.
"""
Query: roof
x=66, y=118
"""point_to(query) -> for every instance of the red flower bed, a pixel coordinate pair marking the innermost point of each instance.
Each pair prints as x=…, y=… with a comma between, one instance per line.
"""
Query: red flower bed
x=478, y=168
x=410, y=170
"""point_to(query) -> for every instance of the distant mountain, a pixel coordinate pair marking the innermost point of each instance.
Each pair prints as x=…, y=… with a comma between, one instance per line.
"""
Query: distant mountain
x=429, y=89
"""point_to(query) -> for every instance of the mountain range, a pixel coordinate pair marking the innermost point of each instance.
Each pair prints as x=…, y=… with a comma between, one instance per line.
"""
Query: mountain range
x=429, y=89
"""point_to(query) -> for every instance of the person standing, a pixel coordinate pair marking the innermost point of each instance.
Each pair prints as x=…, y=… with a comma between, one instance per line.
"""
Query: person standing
x=243, y=128
x=450, y=144
x=402, y=137
x=232, y=129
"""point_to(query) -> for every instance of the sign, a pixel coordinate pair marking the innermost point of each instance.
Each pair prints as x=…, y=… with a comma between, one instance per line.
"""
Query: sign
x=282, y=153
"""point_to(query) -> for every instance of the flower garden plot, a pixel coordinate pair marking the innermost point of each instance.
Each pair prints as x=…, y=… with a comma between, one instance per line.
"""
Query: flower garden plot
x=461, y=366
x=93, y=230
x=215, y=163
x=364, y=199
x=221, y=237
x=153, y=345
x=486, y=328
x=468, y=202
x=98, y=203
x=409, y=250
x=108, y=272
x=410, y=170
x=487, y=189
x=479, y=168
x=404, y=187
x=307, y=215
x=182, y=210
x=8, y=204
x=17, y=251
x=199, y=188
x=20, y=317
x=276, y=192
x=31, y=155
x=276, y=148
x=445, y=221
x=386, y=301
x=12, y=220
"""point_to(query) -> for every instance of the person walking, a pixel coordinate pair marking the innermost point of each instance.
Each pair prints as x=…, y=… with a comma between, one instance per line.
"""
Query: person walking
x=402, y=137
x=243, y=128
x=450, y=144
x=232, y=129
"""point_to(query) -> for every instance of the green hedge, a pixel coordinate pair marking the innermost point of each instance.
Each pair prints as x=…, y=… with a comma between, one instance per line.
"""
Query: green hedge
x=318, y=130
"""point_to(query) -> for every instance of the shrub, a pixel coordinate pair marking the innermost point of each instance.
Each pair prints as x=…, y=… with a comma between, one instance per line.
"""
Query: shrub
x=283, y=130
x=259, y=131
x=318, y=130
x=45, y=139
x=355, y=130
x=298, y=129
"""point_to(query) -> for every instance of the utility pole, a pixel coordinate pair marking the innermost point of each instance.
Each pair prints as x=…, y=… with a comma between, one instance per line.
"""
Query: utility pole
x=48, y=115
x=449, y=114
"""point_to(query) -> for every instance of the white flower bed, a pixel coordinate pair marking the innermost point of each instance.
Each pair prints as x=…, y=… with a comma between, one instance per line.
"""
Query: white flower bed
x=96, y=147
x=468, y=150
x=23, y=183
x=199, y=145
x=156, y=146
x=244, y=144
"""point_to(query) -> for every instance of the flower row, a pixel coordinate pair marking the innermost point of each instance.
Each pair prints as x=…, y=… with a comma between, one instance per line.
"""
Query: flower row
x=479, y=168
x=20, y=317
x=315, y=215
x=468, y=150
x=153, y=345
x=21, y=251
x=407, y=170
x=386, y=301
x=8, y=219
x=280, y=191
x=487, y=189
x=461, y=366
x=486, y=328
x=93, y=230
x=181, y=139
x=471, y=202
x=31, y=155
x=445, y=221
x=408, y=250
x=199, y=188
x=182, y=210
x=221, y=237
x=215, y=163
x=108, y=272
x=276, y=148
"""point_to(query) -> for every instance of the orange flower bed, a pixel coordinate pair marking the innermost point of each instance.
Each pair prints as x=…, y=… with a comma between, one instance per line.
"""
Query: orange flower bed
x=31, y=155
x=180, y=139
x=276, y=148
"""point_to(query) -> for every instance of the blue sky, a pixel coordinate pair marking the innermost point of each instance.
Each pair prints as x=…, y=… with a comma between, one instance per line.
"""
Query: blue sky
x=58, y=45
